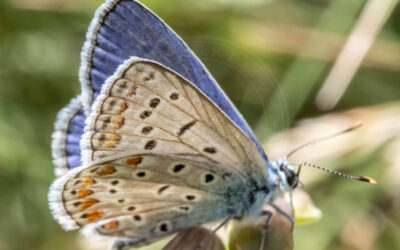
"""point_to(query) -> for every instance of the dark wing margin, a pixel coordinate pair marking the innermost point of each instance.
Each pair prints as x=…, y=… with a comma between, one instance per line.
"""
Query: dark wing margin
x=68, y=130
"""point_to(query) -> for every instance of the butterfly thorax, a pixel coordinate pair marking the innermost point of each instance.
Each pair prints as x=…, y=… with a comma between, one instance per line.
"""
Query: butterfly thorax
x=285, y=179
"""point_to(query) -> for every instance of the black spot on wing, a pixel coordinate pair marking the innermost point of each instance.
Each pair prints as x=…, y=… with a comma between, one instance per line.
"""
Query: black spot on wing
x=145, y=114
x=154, y=102
x=162, y=189
x=178, y=168
x=150, y=145
x=146, y=130
x=209, y=178
x=186, y=127
x=174, y=96
x=210, y=150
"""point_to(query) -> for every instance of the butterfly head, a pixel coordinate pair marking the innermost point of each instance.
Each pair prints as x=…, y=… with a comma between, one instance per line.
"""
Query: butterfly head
x=288, y=177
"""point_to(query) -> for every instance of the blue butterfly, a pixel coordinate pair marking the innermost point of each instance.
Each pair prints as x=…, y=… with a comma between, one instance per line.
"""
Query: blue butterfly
x=153, y=145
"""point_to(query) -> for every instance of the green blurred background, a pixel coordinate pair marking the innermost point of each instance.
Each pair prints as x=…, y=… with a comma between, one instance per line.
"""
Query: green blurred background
x=270, y=56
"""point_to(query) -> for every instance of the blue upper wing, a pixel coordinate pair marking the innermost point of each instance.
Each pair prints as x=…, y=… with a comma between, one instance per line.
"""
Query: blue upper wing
x=68, y=130
x=125, y=28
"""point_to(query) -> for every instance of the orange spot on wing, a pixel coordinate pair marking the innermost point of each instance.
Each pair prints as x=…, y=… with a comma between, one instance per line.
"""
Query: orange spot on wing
x=84, y=192
x=113, y=140
x=122, y=107
x=111, y=144
x=118, y=122
x=88, y=202
x=134, y=160
x=111, y=224
x=87, y=181
x=94, y=215
x=106, y=170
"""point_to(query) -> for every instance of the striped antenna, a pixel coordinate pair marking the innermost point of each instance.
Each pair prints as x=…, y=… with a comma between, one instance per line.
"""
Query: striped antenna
x=353, y=177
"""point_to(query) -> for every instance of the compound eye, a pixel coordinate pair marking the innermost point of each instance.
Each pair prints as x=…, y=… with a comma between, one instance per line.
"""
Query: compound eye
x=293, y=182
x=291, y=178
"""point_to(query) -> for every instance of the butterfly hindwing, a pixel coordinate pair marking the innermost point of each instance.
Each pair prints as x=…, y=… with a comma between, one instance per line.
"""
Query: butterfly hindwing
x=143, y=197
x=68, y=130
x=147, y=108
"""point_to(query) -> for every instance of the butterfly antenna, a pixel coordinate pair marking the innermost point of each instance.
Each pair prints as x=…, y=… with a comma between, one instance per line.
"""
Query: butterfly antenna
x=354, y=127
x=353, y=177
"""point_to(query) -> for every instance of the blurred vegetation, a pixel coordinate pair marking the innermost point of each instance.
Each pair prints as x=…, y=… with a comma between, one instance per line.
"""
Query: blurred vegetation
x=270, y=56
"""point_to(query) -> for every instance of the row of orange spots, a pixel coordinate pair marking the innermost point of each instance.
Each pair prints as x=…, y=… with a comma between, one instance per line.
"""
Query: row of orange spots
x=94, y=215
x=88, y=202
x=134, y=160
x=118, y=122
x=113, y=140
x=106, y=170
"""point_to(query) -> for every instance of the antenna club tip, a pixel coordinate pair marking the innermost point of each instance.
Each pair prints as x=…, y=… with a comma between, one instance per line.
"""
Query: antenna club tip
x=368, y=179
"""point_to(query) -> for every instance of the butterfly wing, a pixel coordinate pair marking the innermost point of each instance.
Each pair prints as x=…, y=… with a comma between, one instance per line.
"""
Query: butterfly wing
x=162, y=157
x=122, y=29
x=147, y=108
x=144, y=197
x=68, y=130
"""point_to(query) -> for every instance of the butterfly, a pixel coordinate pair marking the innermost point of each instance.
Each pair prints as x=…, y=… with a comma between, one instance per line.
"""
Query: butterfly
x=153, y=145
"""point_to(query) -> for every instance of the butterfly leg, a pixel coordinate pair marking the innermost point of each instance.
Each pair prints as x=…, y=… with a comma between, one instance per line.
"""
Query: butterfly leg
x=267, y=215
x=288, y=216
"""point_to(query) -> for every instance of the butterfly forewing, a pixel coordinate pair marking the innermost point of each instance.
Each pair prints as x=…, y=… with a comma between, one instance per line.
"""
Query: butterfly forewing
x=125, y=28
x=147, y=108
x=144, y=196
